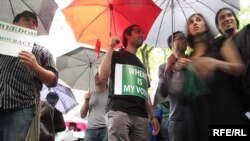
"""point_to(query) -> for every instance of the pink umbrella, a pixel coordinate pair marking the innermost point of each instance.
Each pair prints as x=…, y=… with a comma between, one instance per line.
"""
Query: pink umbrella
x=82, y=126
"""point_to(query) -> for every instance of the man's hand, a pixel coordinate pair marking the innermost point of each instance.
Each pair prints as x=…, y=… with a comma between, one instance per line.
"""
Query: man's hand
x=205, y=66
x=156, y=126
x=87, y=96
x=28, y=59
x=181, y=63
x=114, y=41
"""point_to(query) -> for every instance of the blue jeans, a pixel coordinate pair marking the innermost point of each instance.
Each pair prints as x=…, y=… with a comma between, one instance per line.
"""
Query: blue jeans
x=14, y=124
x=99, y=134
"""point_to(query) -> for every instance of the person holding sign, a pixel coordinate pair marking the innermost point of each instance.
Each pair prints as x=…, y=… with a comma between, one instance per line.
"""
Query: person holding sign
x=128, y=105
x=19, y=78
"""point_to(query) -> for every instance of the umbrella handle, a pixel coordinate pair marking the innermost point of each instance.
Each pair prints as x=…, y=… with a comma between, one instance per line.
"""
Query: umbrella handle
x=51, y=88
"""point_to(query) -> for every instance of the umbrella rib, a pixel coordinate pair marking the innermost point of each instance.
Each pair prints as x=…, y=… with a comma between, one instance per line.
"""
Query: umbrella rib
x=90, y=63
x=231, y=5
x=91, y=72
x=183, y=10
x=77, y=59
x=206, y=6
x=190, y=6
x=71, y=67
x=36, y=14
x=121, y=13
x=67, y=94
x=94, y=62
x=112, y=20
x=162, y=2
x=158, y=34
x=91, y=23
x=12, y=8
x=81, y=74
x=173, y=16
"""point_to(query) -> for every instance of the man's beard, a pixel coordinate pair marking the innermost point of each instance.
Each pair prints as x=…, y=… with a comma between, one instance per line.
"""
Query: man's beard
x=229, y=31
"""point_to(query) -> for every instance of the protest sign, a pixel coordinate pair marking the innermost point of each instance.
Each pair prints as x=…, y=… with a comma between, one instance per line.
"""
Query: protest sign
x=14, y=38
x=131, y=80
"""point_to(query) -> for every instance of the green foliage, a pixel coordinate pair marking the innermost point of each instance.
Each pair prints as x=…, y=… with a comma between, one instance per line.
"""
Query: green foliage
x=244, y=14
x=155, y=57
x=188, y=51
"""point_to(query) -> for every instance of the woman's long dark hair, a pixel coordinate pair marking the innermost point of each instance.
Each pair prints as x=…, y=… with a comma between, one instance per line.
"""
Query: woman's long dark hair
x=207, y=38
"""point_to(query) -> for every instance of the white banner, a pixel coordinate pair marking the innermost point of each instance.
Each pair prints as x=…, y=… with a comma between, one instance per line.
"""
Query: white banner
x=14, y=39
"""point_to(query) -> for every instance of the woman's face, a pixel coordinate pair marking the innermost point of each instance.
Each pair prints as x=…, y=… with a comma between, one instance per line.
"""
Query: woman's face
x=196, y=26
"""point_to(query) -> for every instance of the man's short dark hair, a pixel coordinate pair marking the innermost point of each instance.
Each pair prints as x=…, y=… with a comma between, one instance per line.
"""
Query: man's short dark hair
x=25, y=14
x=127, y=31
x=52, y=96
x=170, y=38
x=226, y=8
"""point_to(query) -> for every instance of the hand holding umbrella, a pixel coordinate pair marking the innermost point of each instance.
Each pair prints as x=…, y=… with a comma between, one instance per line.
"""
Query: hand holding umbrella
x=87, y=96
x=114, y=41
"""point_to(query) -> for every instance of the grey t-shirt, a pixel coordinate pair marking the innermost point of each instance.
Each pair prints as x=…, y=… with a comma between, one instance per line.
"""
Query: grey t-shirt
x=97, y=105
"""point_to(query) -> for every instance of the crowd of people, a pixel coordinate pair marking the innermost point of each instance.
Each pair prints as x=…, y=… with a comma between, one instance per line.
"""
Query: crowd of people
x=217, y=92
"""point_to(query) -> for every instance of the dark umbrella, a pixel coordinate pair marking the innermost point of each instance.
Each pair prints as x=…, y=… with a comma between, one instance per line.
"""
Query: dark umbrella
x=44, y=9
x=66, y=100
x=77, y=68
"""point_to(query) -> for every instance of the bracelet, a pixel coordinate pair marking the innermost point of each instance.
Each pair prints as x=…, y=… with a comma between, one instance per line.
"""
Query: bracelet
x=151, y=118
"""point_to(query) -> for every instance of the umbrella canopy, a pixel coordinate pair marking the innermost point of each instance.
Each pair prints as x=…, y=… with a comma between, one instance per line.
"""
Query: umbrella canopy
x=44, y=9
x=93, y=20
x=66, y=100
x=175, y=13
x=77, y=68
x=82, y=126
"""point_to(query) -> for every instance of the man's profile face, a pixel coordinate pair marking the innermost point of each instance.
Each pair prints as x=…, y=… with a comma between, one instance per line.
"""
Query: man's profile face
x=136, y=37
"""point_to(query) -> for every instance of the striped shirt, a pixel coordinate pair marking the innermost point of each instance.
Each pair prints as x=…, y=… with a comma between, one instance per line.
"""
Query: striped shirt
x=16, y=88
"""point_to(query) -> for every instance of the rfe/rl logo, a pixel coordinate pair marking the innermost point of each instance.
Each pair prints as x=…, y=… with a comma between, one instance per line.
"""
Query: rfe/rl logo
x=228, y=132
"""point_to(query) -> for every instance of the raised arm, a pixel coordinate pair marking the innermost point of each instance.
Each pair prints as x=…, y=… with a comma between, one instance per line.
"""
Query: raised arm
x=105, y=67
x=85, y=108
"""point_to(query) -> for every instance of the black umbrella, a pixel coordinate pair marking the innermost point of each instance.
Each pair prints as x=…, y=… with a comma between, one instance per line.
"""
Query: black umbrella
x=44, y=9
